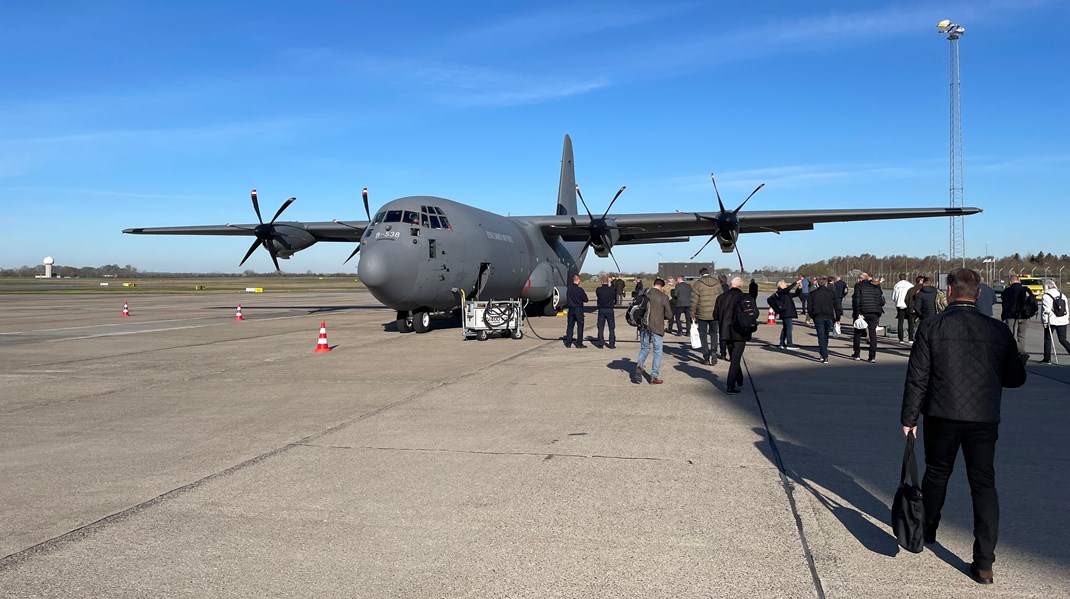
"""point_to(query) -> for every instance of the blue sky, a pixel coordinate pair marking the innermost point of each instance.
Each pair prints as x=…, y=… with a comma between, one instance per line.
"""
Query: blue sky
x=123, y=114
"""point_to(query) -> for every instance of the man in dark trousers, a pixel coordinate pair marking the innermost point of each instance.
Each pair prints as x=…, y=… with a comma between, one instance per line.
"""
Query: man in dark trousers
x=752, y=289
x=735, y=339
x=959, y=364
x=824, y=311
x=867, y=302
x=839, y=287
x=682, y=293
x=574, y=300
x=606, y=298
x=618, y=286
x=704, y=294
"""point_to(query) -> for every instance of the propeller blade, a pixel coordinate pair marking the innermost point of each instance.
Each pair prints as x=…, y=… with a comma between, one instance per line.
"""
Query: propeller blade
x=614, y=260
x=589, y=215
x=275, y=260
x=740, y=256
x=736, y=211
x=284, y=206
x=353, y=254
x=717, y=191
x=252, y=249
x=610, y=207
x=364, y=194
x=703, y=246
x=256, y=206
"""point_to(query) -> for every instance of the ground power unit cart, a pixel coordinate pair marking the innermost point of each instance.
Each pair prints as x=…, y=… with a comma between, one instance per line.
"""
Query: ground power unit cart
x=483, y=318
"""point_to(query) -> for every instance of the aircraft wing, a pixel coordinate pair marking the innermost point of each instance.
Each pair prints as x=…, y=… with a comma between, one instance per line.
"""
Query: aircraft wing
x=650, y=228
x=347, y=231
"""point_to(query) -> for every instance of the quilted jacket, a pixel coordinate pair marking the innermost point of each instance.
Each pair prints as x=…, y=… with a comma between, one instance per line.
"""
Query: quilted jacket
x=959, y=364
x=868, y=299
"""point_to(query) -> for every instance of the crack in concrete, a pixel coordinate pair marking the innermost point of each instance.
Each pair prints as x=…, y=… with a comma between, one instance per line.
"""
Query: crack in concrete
x=541, y=454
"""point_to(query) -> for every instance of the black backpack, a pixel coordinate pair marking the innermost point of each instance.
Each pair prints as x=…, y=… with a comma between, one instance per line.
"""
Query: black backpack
x=638, y=314
x=745, y=317
x=774, y=302
x=1058, y=305
x=1029, y=307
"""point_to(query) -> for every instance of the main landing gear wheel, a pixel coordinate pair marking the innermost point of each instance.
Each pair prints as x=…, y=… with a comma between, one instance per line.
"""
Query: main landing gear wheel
x=482, y=335
x=421, y=321
x=404, y=322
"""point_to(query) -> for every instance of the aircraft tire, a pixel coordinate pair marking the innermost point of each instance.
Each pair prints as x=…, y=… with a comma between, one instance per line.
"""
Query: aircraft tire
x=403, y=323
x=421, y=321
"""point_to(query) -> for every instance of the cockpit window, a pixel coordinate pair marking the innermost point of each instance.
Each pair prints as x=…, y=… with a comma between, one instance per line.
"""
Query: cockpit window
x=393, y=216
x=411, y=217
x=445, y=223
x=435, y=224
x=424, y=221
x=379, y=217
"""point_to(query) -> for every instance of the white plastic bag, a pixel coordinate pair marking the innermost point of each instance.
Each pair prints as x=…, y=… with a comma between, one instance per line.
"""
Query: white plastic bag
x=696, y=339
x=860, y=323
x=836, y=328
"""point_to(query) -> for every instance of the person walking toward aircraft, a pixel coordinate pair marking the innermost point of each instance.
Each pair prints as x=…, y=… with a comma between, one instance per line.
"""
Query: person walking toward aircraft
x=653, y=334
x=723, y=312
x=960, y=362
x=926, y=302
x=902, y=312
x=986, y=299
x=1018, y=309
x=824, y=311
x=866, y=302
x=787, y=312
x=1054, y=316
x=804, y=295
x=619, y=286
x=752, y=289
x=606, y=298
x=638, y=286
x=704, y=294
x=574, y=300
x=670, y=290
x=683, y=306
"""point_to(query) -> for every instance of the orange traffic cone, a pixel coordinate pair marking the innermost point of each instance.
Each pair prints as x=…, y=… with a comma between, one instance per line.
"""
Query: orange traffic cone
x=772, y=317
x=126, y=309
x=321, y=345
x=237, y=315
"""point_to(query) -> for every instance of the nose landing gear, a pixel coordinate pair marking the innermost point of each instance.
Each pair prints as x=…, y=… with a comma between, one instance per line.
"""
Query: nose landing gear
x=417, y=320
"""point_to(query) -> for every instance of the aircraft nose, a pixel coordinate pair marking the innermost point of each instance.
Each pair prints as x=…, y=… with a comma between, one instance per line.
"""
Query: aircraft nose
x=379, y=269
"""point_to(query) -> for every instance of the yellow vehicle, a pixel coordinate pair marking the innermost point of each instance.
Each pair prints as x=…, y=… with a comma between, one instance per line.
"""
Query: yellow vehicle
x=1034, y=285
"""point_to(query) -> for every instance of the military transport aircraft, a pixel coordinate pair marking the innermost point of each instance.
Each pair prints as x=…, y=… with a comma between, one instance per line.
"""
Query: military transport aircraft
x=420, y=253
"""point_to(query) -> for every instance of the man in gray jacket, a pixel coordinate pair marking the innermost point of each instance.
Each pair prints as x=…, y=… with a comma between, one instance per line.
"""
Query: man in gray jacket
x=652, y=334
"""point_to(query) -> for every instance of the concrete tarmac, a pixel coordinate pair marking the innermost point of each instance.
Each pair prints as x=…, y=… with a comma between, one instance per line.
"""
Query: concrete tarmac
x=180, y=453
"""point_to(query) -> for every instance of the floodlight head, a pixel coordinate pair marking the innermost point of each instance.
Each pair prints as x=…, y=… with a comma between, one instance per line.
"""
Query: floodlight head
x=960, y=30
x=943, y=24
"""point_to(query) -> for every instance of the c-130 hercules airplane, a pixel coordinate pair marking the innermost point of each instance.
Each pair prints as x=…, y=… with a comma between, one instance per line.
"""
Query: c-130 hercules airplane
x=420, y=253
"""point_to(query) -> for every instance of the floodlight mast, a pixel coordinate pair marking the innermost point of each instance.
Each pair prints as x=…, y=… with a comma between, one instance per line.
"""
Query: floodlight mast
x=958, y=224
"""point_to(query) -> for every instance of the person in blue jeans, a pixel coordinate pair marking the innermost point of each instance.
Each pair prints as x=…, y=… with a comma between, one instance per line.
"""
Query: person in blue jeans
x=653, y=333
x=825, y=310
x=788, y=313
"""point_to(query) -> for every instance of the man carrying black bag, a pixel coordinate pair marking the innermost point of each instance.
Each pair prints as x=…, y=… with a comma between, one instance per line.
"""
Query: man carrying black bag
x=959, y=364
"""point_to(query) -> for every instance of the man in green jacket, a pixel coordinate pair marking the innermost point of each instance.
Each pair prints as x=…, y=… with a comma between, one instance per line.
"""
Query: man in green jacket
x=704, y=294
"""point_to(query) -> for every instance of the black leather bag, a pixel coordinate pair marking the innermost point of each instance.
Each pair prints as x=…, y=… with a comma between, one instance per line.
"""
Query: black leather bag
x=908, y=512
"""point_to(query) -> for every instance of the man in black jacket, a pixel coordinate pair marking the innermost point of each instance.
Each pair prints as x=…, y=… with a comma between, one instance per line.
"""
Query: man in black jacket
x=606, y=298
x=735, y=340
x=575, y=297
x=867, y=302
x=1016, y=314
x=825, y=309
x=959, y=364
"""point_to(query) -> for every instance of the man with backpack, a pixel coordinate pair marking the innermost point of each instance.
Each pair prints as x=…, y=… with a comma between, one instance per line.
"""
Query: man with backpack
x=704, y=294
x=1055, y=318
x=1019, y=305
x=737, y=314
x=651, y=329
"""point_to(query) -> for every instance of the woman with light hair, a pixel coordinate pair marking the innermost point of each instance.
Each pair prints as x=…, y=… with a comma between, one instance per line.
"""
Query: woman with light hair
x=1054, y=317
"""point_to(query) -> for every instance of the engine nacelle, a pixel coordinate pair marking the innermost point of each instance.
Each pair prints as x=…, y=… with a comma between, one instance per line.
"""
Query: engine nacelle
x=288, y=240
x=727, y=239
x=558, y=297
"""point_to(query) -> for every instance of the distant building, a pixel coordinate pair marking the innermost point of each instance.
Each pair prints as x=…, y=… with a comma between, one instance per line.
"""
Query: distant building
x=687, y=270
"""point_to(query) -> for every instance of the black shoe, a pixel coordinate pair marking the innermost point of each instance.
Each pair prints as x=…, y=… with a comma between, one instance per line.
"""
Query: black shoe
x=568, y=344
x=981, y=576
x=580, y=346
x=930, y=537
x=612, y=346
x=733, y=390
x=871, y=360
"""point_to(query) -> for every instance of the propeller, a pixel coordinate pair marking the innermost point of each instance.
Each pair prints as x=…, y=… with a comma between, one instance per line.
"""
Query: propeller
x=600, y=229
x=727, y=222
x=265, y=232
x=367, y=212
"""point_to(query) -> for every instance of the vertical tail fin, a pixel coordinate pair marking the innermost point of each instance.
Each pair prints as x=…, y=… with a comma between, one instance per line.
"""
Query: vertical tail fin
x=566, y=190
